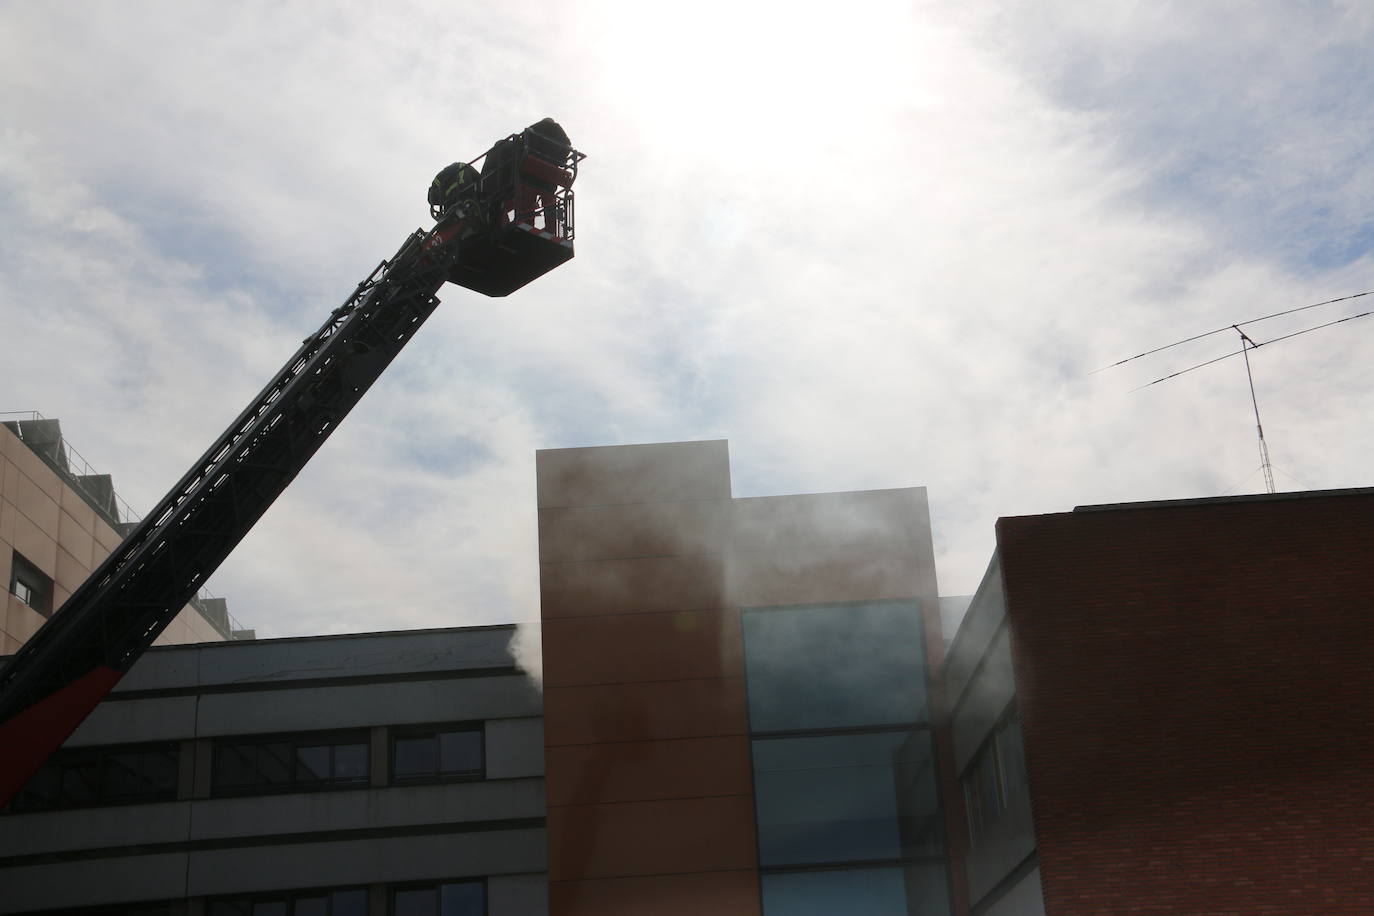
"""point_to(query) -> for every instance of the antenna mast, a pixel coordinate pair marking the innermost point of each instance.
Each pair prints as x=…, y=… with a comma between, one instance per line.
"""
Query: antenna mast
x=1246, y=345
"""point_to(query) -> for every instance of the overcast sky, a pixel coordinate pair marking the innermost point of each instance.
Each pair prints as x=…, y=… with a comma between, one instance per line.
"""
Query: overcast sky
x=873, y=245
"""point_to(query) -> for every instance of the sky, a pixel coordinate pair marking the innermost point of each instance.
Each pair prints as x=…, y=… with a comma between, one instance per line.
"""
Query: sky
x=883, y=245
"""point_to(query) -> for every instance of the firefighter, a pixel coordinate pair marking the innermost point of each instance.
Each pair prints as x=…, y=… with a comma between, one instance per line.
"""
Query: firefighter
x=454, y=185
x=548, y=148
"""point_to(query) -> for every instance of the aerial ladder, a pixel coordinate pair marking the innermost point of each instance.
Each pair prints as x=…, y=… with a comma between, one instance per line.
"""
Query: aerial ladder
x=488, y=237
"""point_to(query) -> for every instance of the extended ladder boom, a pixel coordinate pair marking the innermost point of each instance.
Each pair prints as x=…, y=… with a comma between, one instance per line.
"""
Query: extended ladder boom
x=59, y=676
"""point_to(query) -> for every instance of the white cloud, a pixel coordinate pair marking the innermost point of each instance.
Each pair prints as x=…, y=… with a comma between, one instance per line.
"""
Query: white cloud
x=877, y=249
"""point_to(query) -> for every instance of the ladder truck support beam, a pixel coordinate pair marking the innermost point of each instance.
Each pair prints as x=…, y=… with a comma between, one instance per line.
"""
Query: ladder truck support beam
x=73, y=661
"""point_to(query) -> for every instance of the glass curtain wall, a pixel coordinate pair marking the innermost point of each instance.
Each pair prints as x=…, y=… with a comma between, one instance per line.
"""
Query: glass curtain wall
x=847, y=805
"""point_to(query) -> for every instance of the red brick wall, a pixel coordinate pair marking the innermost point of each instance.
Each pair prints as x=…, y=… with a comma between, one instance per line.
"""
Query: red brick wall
x=1197, y=694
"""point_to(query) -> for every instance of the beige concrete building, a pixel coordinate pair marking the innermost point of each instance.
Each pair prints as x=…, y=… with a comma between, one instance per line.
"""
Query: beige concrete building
x=56, y=526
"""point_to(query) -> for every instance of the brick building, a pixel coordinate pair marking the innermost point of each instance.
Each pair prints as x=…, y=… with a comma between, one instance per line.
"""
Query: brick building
x=1193, y=681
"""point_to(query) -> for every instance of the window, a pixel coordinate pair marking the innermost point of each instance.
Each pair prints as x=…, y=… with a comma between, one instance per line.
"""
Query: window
x=837, y=798
x=829, y=666
x=162, y=908
x=915, y=889
x=452, y=898
x=290, y=763
x=845, y=779
x=30, y=585
x=345, y=902
x=114, y=775
x=996, y=776
x=436, y=752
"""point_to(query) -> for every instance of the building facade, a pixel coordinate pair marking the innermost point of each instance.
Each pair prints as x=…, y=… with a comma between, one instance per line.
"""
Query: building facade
x=738, y=700
x=329, y=776
x=1172, y=690
x=57, y=523
x=738, y=709
x=747, y=708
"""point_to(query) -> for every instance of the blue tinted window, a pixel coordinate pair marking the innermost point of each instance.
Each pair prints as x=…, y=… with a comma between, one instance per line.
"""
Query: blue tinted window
x=918, y=889
x=290, y=762
x=830, y=666
x=436, y=752
x=456, y=898
x=853, y=891
x=102, y=775
x=845, y=798
x=462, y=899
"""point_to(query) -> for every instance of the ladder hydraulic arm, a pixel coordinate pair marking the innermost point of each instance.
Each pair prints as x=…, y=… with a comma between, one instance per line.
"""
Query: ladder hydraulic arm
x=73, y=661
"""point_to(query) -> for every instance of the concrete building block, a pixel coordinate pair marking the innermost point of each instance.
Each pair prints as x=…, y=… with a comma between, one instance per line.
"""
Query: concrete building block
x=106, y=536
x=236, y=870
x=74, y=538
x=35, y=469
x=163, y=669
x=595, y=587
x=363, y=705
x=639, y=530
x=117, y=879
x=377, y=655
x=819, y=520
x=515, y=748
x=666, y=472
x=396, y=807
x=71, y=572
x=132, y=721
x=40, y=507
x=827, y=574
x=37, y=546
x=72, y=504
x=22, y=621
x=517, y=895
x=93, y=828
x=8, y=513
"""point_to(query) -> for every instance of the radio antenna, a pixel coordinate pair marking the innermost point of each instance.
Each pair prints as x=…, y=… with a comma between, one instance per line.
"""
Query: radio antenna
x=1246, y=345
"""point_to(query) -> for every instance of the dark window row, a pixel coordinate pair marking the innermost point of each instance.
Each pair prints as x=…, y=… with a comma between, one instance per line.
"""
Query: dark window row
x=155, y=908
x=434, y=898
x=436, y=752
x=996, y=776
x=338, y=760
x=264, y=764
x=438, y=898
x=451, y=898
x=290, y=762
x=351, y=901
x=88, y=776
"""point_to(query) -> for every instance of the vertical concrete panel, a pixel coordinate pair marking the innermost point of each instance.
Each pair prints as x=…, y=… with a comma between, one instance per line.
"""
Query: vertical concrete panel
x=518, y=895
x=640, y=648
x=719, y=893
x=515, y=748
